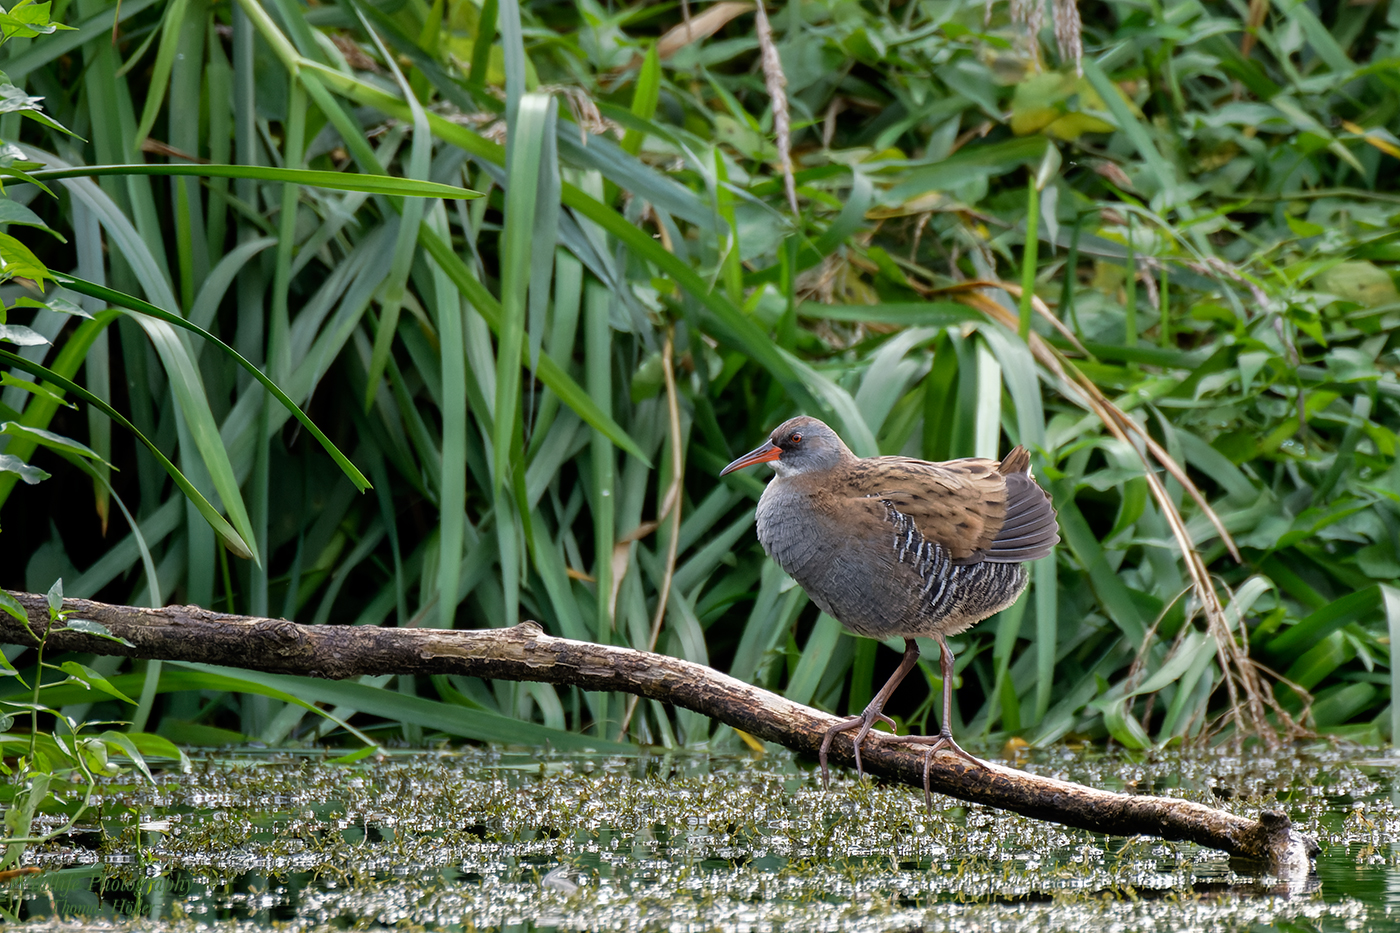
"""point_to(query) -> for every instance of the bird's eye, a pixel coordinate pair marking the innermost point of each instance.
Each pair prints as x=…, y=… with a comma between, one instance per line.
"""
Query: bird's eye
x=795, y=438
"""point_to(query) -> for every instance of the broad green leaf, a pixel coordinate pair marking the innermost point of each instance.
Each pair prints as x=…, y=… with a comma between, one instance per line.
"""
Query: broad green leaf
x=30, y=474
x=1317, y=626
x=54, y=303
x=6, y=379
x=12, y=212
x=1318, y=662
x=22, y=336
x=535, y=119
x=357, y=755
x=53, y=441
x=1180, y=661
x=122, y=744
x=93, y=679
x=95, y=629
x=156, y=746
x=1061, y=105
x=644, y=98
x=1361, y=282
x=16, y=261
x=1124, y=726
x=1338, y=706
x=11, y=605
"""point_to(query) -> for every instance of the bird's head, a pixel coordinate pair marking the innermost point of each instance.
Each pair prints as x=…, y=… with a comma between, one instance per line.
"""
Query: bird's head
x=798, y=445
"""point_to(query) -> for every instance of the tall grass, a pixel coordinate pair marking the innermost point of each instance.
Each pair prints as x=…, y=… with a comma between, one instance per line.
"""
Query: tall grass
x=542, y=383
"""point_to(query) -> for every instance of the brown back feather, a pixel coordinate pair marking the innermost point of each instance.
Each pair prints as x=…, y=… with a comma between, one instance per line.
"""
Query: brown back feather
x=977, y=509
x=960, y=504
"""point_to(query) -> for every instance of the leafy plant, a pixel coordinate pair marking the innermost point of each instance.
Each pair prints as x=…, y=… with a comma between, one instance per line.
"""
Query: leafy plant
x=63, y=748
x=1166, y=275
x=68, y=753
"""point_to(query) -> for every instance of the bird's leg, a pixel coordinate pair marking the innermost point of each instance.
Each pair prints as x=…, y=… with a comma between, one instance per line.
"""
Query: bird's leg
x=867, y=719
x=944, y=739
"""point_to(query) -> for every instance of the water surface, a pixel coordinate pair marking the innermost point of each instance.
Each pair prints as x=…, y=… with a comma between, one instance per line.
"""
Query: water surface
x=487, y=839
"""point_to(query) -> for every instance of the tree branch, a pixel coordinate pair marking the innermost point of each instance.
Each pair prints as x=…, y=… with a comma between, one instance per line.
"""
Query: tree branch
x=525, y=653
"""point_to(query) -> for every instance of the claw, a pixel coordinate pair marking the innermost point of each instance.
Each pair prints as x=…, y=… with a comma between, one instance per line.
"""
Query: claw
x=939, y=742
x=944, y=738
x=864, y=723
x=870, y=715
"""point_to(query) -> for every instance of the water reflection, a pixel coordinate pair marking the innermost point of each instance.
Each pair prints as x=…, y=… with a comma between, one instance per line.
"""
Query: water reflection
x=483, y=839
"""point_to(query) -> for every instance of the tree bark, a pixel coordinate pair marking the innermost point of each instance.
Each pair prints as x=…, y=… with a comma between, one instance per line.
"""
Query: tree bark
x=526, y=653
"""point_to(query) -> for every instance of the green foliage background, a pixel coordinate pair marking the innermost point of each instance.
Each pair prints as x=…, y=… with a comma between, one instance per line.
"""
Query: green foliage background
x=542, y=383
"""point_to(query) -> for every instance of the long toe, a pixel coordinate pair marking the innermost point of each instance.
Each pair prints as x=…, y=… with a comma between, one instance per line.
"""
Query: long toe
x=956, y=749
x=845, y=725
x=944, y=741
x=864, y=722
x=859, y=739
x=936, y=744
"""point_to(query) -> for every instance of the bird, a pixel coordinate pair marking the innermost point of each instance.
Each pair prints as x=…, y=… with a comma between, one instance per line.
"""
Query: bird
x=895, y=546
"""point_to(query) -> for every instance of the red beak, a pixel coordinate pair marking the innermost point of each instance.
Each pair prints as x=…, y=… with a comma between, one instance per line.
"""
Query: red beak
x=763, y=453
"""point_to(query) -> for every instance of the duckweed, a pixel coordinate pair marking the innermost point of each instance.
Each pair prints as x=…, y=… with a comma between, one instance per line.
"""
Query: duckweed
x=491, y=839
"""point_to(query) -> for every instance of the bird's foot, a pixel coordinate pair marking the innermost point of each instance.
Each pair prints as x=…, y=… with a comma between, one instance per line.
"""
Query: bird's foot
x=937, y=743
x=863, y=723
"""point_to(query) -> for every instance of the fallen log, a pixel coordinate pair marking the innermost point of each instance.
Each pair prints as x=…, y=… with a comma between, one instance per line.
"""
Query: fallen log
x=526, y=653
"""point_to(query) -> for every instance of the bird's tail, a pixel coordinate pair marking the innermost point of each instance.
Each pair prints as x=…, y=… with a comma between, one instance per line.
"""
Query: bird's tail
x=1018, y=461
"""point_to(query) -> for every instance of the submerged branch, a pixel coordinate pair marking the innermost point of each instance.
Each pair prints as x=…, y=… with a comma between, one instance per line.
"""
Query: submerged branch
x=526, y=653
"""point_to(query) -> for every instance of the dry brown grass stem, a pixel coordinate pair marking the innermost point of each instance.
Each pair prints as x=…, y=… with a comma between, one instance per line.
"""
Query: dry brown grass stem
x=697, y=28
x=1248, y=695
x=670, y=508
x=776, y=82
x=690, y=29
x=1258, y=12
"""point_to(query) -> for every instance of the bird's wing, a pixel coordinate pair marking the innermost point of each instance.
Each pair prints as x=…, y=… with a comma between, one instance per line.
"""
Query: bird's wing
x=961, y=504
x=1029, y=529
x=972, y=508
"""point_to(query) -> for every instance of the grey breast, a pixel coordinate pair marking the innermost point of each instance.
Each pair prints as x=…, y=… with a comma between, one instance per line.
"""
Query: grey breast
x=794, y=534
